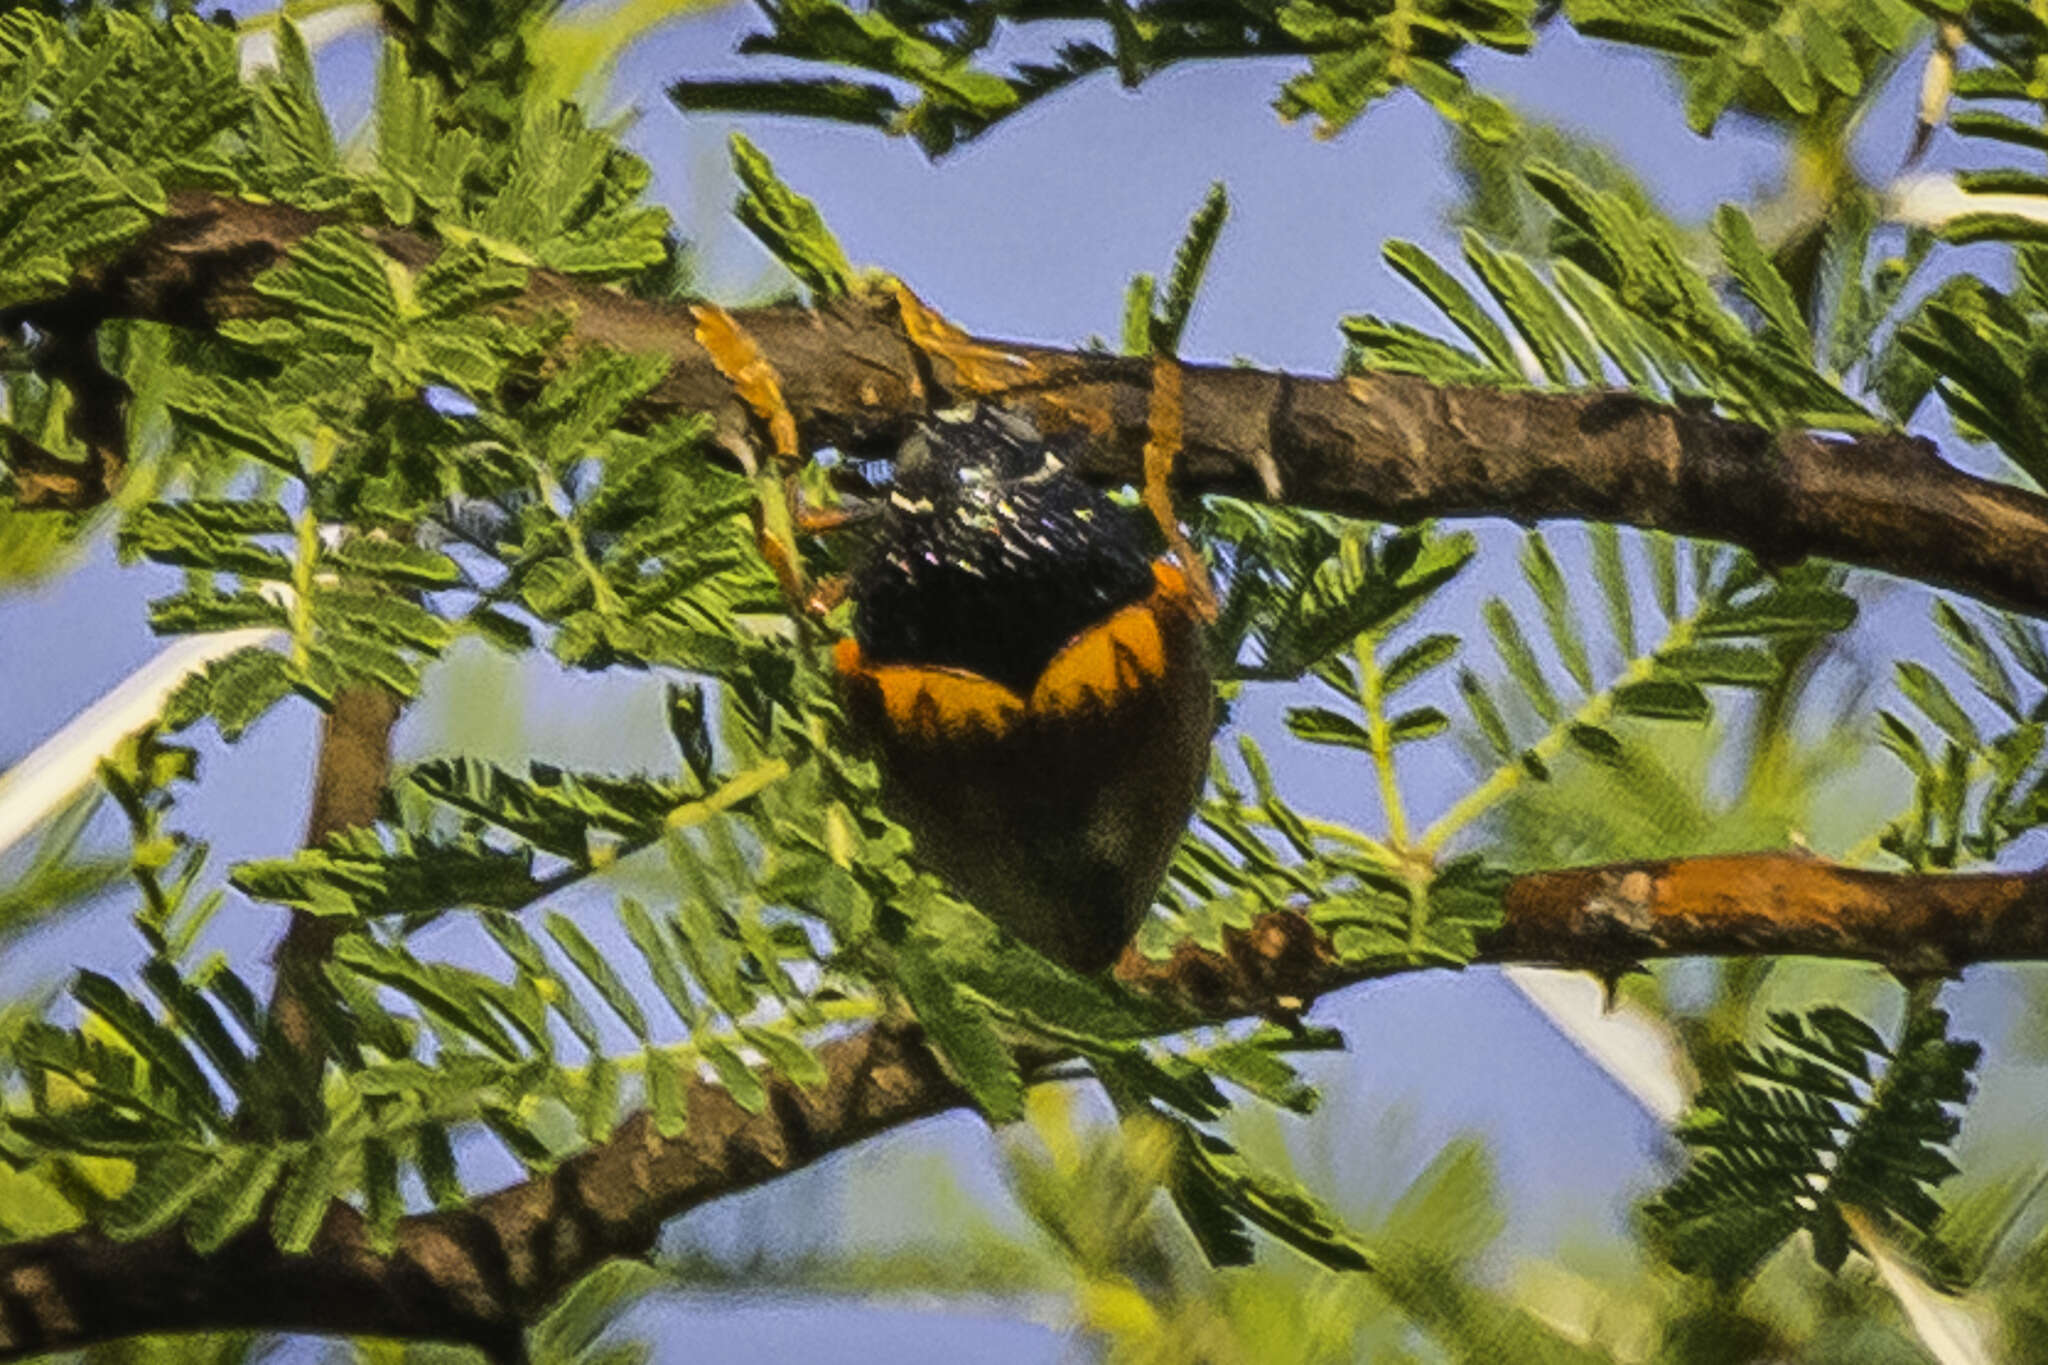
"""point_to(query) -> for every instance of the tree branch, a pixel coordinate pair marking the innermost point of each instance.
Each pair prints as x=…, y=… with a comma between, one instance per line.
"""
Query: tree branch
x=481, y=1273
x=348, y=785
x=1386, y=446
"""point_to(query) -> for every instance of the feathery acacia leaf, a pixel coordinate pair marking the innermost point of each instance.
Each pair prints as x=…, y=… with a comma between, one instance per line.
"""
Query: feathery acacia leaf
x=1823, y=1117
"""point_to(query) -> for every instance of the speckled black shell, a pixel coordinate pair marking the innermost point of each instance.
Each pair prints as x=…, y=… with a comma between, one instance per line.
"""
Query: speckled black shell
x=990, y=556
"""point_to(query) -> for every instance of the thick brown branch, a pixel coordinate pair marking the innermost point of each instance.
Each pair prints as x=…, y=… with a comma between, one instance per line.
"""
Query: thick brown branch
x=1608, y=917
x=1759, y=905
x=480, y=1273
x=1385, y=446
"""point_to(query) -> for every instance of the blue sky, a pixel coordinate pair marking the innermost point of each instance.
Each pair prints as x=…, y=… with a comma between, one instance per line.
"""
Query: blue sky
x=1033, y=232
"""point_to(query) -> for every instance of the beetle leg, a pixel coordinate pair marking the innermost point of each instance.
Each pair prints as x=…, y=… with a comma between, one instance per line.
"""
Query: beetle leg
x=1161, y=450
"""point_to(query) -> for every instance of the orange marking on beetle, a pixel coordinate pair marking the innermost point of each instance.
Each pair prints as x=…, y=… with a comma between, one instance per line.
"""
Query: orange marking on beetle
x=929, y=702
x=940, y=703
x=1126, y=651
x=1139, y=644
x=1171, y=588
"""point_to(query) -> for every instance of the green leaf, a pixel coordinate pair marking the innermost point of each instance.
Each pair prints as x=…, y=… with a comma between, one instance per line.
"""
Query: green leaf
x=302, y=1202
x=1420, y=269
x=597, y=1106
x=1897, y=736
x=1614, y=589
x=1417, y=662
x=1663, y=699
x=188, y=613
x=1520, y=659
x=385, y=1205
x=1622, y=337
x=1190, y=263
x=1320, y=725
x=1596, y=743
x=962, y=1034
x=1139, y=300
x=1424, y=722
x=461, y=999
x=787, y=1054
x=788, y=224
x=734, y=1074
x=355, y=874
x=1273, y=1204
x=1451, y=1210
x=2025, y=641
x=598, y=972
x=1780, y=611
x=193, y=1016
x=435, y=1156
x=1728, y=664
x=1539, y=567
x=1809, y=1125
x=290, y=115
x=667, y=1093
x=1760, y=281
x=164, y=1189
x=1663, y=552
x=2001, y=127
x=573, y=201
x=1977, y=657
x=237, y=691
x=235, y=1199
x=1258, y=1071
x=1402, y=349
x=391, y=561
x=1485, y=714
x=1937, y=703
x=1218, y=1228
x=841, y=101
x=152, y=1041
x=1554, y=338
x=660, y=959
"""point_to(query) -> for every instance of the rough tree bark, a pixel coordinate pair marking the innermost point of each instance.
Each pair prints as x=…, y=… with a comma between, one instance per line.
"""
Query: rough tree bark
x=1385, y=446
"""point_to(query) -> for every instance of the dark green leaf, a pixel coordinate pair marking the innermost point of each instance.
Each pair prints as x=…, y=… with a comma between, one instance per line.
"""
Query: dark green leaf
x=963, y=1035
x=1659, y=699
x=1320, y=725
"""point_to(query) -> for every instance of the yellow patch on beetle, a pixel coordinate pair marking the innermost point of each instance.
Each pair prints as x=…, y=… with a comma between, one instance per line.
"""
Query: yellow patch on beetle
x=1091, y=672
x=1125, y=652
x=931, y=703
x=1171, y=588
